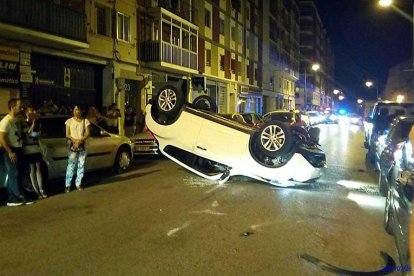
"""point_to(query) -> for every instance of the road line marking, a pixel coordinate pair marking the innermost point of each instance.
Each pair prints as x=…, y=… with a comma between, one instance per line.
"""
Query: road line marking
x=210, y=212
x=175, y=230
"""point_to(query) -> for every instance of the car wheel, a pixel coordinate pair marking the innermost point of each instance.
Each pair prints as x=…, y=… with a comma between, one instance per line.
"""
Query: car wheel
x=275, y=139
x=388, y=214
x=382, y=185
x=169, y=101
x=205, y=102
x=122, y=160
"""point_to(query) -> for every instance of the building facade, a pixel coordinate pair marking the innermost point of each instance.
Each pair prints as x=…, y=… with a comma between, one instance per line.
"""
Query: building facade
x=400, y=82
x=245, y=54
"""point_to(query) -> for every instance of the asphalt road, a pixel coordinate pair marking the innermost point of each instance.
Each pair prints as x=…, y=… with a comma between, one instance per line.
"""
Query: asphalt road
x=159, y=219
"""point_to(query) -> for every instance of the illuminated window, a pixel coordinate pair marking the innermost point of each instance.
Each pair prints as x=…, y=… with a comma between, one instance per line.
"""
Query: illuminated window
x=123, y=27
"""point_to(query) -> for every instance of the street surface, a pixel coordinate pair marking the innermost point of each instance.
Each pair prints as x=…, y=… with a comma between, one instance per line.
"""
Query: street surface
x=159, y=219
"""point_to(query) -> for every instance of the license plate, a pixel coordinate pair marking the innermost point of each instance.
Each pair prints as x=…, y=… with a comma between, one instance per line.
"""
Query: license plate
x=142, y=148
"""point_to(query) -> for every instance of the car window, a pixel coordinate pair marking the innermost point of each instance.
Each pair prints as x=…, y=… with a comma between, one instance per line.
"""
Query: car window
x=401, y=130
x=95, y=131
x=283, y=117
x=53, y=127
x=248, y=118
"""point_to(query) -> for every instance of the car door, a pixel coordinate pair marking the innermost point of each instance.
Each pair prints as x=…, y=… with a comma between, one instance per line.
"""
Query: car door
x=403, y=210
x=220, y=142
x=53, y=144
x=101, y=148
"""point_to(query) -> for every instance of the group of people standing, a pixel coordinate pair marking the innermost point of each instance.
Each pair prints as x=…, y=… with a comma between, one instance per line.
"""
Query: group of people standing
x=19, y=149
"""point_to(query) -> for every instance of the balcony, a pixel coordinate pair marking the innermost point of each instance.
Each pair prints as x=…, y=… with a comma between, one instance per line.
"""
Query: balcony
x=172, y=42
x=177, y=7
x=42, y=22
x=167, y=54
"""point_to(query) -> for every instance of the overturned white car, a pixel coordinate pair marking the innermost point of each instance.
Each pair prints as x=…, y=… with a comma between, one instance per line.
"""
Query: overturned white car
x=217, y=148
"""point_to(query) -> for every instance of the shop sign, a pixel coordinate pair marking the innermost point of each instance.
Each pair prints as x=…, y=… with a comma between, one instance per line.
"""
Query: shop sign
x=44, y=81
x=9, y=79
x=9, y=54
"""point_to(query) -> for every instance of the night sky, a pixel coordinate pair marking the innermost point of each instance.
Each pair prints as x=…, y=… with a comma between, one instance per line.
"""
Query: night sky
x=367, y=41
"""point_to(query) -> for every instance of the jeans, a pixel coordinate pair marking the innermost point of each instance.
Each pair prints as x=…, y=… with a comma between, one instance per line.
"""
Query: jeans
x=14, y=171
x=76, y=160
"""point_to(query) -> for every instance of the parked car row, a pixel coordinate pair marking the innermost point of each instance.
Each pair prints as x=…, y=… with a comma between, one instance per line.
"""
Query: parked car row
x=105, y=150
x=387, y=140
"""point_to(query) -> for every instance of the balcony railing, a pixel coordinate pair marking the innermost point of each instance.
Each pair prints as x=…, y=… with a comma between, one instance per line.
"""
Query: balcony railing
x=44, y=16
x=180, y=8
x=150, y=52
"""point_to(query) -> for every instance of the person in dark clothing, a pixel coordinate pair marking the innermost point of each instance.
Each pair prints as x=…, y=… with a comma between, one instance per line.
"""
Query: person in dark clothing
x=130, y=121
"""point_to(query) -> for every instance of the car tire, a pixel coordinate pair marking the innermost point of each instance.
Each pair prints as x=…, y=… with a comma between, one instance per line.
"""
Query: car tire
x=274, y=139
x=169, y=101
x=122, y=160
x=206, y=103
x=388, y=214
x=382, y=186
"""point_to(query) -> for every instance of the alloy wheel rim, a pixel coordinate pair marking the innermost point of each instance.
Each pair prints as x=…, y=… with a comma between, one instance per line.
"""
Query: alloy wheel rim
x=273, y=138
x=124, y=160
x=167, y=99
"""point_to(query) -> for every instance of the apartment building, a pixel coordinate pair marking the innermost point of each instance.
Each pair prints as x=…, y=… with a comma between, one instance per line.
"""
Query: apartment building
x=243, y=53
x=312, y=91
x=280, y=53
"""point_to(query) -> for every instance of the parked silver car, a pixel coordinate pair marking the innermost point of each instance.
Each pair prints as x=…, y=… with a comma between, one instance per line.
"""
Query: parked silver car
x=105, y=150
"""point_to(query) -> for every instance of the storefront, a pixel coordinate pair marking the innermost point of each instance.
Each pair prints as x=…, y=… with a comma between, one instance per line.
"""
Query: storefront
x=64, y=81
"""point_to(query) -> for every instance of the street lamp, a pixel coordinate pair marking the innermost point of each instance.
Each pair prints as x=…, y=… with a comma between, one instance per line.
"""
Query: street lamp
x=370, y=84
x=336, y=91
x=387, y=4
x=341, y=97
x=359, y=101
x=315, y=67
x=400, y=98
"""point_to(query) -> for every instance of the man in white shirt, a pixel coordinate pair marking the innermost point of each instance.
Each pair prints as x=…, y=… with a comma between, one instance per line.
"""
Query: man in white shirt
x=12, y=142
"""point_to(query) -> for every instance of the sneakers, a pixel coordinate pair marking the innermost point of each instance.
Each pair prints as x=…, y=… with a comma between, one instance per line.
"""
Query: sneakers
x=15, y=203
x=67, y=189
x=19, y=203
x=79, y=188
x=28, y=202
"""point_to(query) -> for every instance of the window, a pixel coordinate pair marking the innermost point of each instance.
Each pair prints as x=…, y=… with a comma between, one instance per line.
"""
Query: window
x=233, y=66
x=103, y=20
x=233, y=33
x=208, y=57
x=123, y=27
x=207, y=18
x=222, y=59
x=222, y=26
